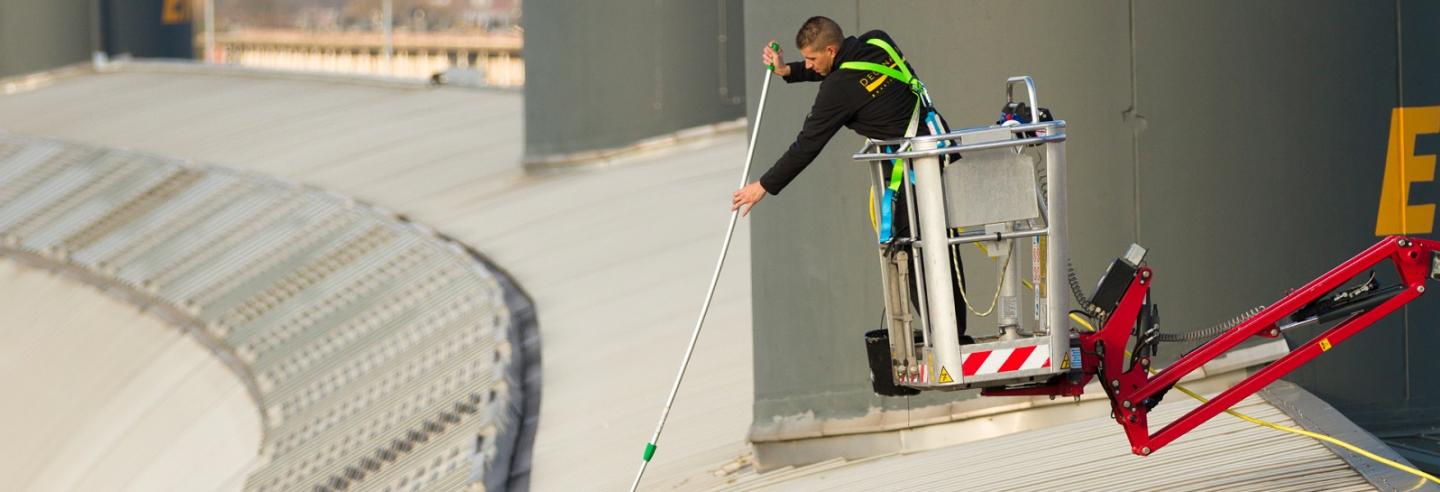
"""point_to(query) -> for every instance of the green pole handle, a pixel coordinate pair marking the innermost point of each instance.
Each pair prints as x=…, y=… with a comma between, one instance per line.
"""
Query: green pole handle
x=776, y=48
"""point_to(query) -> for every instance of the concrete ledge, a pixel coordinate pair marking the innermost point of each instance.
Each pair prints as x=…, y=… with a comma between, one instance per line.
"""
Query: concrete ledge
x=602, y=157
x=802, y=439
x=190, y=67
x=36, y=80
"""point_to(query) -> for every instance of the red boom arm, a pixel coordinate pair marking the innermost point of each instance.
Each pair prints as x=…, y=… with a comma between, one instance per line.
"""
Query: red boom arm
x=1130, y=389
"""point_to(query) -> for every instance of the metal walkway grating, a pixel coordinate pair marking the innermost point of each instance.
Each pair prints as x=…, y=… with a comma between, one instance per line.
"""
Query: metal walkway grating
x=379, y=353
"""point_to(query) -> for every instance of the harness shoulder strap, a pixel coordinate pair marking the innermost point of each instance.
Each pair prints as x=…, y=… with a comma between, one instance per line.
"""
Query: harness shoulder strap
x=900, y=72
x=876, y=67
x=890, y=50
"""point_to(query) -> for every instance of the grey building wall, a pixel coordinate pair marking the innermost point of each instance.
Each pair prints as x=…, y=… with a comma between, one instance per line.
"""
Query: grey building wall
x=1262, y=162
x=36, y=36
x=40, y=35
x=1243, y=143
x=602, y=75
x=1412, y=402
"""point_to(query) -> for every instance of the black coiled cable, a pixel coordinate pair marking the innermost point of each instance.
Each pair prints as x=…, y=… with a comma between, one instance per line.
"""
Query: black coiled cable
x=1210, y=331
x=1079, y=292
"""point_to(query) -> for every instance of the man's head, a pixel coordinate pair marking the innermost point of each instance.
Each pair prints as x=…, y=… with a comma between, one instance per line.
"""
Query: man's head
x=819, y=39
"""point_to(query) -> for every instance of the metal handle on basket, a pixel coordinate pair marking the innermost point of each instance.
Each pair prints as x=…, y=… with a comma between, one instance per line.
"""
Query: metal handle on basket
x=1029, y=89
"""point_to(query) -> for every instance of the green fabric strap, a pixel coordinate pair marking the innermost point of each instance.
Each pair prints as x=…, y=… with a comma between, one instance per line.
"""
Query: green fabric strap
x=897, y=174
x=890, y=50
x=876, y=67
x=900, y=73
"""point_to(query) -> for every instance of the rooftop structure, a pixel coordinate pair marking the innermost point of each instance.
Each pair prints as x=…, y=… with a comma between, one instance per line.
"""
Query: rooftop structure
x=614, y=257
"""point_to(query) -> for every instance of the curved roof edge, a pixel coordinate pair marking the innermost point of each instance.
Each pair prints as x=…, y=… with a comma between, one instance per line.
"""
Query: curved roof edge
x=319, y=303
x=589, y=159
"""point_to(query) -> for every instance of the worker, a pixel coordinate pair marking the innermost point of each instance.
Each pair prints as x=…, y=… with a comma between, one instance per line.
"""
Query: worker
x=862, y=87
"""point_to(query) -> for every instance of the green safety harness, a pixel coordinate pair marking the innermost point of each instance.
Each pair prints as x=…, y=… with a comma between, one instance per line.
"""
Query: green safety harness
x=901, y=73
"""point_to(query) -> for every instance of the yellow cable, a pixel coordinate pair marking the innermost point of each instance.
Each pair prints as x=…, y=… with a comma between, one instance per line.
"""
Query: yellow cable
x=955, y=266
x=1313, y=435
x=874, y=224
x=955, y=270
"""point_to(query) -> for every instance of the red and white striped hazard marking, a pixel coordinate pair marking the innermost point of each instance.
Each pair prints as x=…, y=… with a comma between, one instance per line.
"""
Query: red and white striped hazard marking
x=1005, y=360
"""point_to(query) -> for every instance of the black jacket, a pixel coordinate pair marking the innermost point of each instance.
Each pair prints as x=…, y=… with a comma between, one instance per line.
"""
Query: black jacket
x=857, y=99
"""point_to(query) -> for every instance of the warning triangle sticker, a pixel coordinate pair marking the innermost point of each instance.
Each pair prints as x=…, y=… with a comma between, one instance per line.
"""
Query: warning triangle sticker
x=945, y=376
x=1065, y=363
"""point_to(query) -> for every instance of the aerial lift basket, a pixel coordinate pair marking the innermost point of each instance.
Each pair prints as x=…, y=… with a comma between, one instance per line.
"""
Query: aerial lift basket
x=1003, y=187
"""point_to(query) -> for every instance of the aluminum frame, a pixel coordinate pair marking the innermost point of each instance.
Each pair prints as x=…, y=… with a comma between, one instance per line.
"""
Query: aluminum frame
x=940, y=354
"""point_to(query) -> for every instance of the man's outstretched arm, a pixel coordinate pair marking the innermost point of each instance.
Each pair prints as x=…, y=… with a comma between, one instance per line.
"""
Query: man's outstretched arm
x=830, y=112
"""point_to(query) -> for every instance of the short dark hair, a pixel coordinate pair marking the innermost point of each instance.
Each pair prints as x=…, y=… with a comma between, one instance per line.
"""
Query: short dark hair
x=818, y=31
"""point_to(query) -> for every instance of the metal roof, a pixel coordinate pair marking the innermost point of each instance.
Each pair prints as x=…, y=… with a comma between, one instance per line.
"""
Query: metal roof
x=1224, y=454
x=616, y=260
x=148, y=408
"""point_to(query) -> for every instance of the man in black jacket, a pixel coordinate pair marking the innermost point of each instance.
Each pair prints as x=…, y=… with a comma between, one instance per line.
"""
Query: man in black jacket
x=871, y=103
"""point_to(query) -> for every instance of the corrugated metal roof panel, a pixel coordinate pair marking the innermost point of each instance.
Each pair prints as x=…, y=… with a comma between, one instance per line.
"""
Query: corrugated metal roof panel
x=1223, y=454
